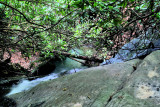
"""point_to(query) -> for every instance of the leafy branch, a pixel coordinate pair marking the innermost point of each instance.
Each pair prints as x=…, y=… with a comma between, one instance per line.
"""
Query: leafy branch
x=28, y=20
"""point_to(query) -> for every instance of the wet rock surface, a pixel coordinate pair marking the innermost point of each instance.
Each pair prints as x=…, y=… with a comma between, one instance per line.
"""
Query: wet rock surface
x=133, y=83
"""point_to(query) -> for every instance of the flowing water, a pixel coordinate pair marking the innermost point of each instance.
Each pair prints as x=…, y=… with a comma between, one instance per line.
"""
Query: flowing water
x=68, y=66
x=129, y=51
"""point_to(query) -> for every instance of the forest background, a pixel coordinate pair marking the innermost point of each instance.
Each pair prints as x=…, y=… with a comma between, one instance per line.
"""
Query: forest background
x=33, y=29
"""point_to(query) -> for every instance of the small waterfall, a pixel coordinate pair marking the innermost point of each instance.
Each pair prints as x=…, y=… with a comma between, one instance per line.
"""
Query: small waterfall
x=24, y=85
x=68, y=66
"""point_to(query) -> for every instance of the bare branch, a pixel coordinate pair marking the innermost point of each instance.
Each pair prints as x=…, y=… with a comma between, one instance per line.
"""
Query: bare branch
x=8, y=29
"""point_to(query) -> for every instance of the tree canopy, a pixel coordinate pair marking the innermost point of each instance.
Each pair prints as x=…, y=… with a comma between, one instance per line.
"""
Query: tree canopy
x=32, y=26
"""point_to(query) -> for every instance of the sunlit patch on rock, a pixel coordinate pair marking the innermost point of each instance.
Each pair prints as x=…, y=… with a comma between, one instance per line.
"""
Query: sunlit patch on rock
x=77, y=105
x=144, y=92
x=153, y=73
x=74, y=105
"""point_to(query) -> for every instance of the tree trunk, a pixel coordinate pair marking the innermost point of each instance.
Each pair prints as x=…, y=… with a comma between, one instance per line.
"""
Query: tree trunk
x=94, y=59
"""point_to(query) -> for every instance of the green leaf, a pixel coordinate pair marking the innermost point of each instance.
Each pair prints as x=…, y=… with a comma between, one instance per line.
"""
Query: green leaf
x=158, y=15
x=110, y=7
x=95, y=4
x=131, y=0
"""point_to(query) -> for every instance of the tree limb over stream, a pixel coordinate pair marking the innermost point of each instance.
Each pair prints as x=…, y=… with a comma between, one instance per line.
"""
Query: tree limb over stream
x=93, y=58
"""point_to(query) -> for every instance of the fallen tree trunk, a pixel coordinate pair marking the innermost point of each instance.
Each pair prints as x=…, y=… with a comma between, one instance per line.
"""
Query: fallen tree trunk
x=94, y=59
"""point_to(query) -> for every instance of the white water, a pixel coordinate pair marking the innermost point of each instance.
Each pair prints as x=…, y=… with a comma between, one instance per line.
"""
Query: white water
x=24, y=85
x=68, y=65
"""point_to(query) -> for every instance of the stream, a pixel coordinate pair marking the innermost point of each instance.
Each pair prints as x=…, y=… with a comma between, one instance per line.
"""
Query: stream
x=65, y=67
x=133, y=49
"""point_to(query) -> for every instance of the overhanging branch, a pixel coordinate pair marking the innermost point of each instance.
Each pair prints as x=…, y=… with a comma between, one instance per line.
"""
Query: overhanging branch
x=60, y=20
x=94, y=59
x=21, y=14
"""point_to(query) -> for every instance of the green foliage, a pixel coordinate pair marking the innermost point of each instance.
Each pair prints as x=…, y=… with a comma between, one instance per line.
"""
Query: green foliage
x=46, y=25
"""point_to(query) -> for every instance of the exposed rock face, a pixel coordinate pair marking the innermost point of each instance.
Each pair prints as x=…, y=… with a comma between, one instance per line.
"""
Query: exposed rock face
x=135, y=83
x=137, y=47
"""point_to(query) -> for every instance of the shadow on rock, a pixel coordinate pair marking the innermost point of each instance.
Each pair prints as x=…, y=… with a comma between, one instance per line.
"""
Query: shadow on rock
x=4, y=101
x=45, y=68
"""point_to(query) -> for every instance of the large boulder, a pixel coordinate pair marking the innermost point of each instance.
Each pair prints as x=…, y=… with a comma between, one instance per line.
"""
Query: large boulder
x=134, y=83
x=143, y=87
x=138, y=47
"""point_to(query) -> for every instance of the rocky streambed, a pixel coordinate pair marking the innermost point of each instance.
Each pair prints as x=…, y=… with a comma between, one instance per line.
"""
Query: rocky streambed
x=99, y=86
x=133, y=83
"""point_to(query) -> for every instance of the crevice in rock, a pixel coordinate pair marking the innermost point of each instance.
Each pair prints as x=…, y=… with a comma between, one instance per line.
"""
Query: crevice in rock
x=122, y=85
